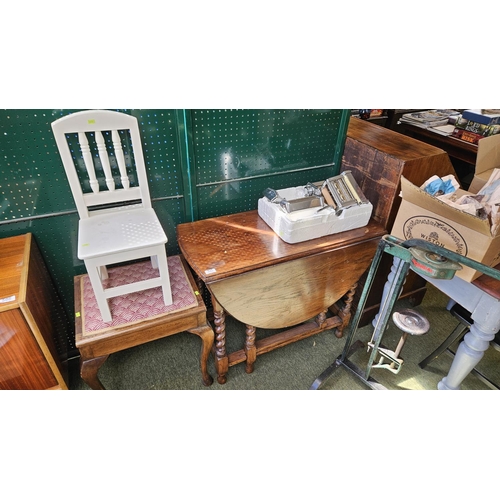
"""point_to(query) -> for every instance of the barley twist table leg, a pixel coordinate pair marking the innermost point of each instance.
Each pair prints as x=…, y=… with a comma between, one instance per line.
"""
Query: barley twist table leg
x=250, y=349
x=345, y=312
x=320, y=318
x=221, y=359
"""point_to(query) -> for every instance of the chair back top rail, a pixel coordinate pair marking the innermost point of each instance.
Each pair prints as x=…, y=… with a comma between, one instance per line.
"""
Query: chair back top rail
x=97, y=122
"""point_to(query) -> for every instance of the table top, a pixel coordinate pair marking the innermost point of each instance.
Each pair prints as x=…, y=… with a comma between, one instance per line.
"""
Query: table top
x=221, y=247
x=453, y=146
x=488, y=284
x=390, y=142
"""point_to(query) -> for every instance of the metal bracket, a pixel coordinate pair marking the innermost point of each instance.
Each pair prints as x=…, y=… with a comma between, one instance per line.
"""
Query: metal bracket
x=401, y=249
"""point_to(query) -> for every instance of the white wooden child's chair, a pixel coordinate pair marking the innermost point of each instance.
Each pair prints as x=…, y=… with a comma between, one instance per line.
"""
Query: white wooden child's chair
x=117, y=222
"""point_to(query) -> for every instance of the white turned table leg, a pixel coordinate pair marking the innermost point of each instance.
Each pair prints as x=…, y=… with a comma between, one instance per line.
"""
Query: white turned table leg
x=469, y=353
x=485, y=311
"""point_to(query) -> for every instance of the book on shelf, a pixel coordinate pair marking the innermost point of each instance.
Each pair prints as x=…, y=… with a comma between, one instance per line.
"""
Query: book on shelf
x=467, y=136
x=483, y=116
x=476, y=127
x=430, y=118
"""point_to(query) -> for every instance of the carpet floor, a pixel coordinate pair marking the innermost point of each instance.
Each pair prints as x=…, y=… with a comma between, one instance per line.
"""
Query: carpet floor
x=172, y=363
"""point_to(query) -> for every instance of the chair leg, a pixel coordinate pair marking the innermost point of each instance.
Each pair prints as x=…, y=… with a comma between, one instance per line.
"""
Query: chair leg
x=102, y=302
x=89, y=369
x=206, y=335
x=458, y=333
x=103, y=273
x=165, y=278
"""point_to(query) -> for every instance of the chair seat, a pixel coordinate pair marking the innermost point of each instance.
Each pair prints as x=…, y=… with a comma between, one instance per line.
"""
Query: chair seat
x=120, y=231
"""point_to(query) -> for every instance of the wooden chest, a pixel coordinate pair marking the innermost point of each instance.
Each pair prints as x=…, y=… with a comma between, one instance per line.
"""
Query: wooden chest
x=377, y=158
x=29, y=307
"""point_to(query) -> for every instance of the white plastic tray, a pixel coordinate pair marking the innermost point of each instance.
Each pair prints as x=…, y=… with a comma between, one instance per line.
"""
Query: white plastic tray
x=308, y=224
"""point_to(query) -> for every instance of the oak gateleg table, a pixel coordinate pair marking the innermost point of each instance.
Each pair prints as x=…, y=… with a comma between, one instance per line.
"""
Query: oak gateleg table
x=264, y=282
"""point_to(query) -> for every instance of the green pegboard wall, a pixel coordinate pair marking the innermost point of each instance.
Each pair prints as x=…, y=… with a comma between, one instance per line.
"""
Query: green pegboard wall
x=35, y=195
x=238, y=153
x=200, y=163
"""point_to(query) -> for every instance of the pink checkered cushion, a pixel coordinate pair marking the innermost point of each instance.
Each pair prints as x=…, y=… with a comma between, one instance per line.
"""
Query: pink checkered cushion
x=137, y=306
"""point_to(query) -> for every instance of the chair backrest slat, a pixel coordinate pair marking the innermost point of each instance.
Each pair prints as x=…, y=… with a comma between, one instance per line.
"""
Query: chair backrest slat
x=89, y=162
x=103, y=155
x=98, y=186
x=117, y=145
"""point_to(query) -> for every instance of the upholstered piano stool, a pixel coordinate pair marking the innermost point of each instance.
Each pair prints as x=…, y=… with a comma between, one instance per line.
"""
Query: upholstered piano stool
x=138, y=317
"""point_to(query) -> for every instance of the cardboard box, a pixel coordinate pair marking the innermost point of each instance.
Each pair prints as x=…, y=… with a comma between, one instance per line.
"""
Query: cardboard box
x=488, y=158
x=425, y=217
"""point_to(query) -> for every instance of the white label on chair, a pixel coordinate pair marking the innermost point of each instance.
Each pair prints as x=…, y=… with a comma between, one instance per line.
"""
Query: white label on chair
x=210, y=271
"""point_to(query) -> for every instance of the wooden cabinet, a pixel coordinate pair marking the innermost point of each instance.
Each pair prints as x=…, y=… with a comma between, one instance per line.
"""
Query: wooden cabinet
x=29, y=308
x=456, y=148
x=377, y=158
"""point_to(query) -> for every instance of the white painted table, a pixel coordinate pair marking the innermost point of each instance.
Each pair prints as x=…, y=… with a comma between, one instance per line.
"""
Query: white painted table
x=482, y=299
